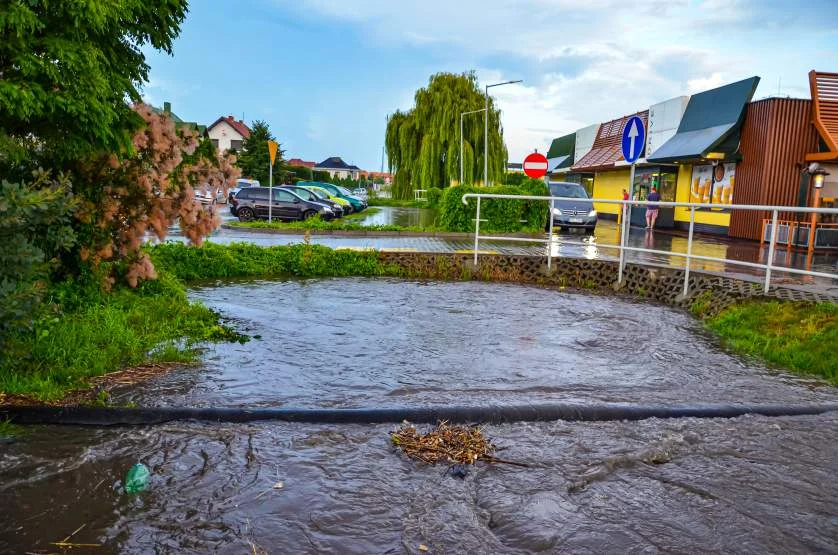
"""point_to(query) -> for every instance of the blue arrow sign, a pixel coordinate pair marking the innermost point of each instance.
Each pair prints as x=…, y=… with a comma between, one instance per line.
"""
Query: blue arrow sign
x=634, y=137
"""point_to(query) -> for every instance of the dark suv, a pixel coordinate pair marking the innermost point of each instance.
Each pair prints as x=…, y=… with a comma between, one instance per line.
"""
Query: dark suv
x=305, y=194
x=252, y=203
x=578, y=211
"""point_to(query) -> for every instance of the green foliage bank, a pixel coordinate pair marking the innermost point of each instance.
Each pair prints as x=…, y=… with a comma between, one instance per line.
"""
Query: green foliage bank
x=496, y=215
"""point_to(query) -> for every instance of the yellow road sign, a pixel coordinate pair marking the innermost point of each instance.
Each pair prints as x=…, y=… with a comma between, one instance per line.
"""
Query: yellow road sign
x=272, y=148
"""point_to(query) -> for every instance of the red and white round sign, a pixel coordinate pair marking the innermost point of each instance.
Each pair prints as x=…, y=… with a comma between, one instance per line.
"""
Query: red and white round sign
x=535, y=165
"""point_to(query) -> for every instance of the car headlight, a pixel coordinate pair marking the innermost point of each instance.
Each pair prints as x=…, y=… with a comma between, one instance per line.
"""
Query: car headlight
x=592, y=214
x=326, y=210
x=557, y=212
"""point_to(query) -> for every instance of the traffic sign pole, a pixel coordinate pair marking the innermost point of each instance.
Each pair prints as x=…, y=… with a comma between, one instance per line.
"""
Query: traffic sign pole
x=272, y=148
x=634, y=137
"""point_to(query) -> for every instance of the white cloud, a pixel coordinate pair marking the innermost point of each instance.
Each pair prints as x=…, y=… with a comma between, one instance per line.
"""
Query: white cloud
x=702, y=84
x=585, y=61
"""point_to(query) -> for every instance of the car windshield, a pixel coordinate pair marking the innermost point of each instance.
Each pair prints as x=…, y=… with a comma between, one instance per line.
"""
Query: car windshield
x=318, y=194
x=344, y=191
x=570, y=190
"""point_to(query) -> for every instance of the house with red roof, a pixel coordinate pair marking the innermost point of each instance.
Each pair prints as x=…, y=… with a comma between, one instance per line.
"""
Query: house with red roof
x=300, y=163
x=228, y=134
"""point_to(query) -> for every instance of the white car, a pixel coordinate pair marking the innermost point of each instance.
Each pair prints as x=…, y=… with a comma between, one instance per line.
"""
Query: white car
x=204, y=195
x=360, y=192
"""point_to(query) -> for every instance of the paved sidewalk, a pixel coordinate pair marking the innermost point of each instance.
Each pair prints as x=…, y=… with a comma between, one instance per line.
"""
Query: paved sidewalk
x=578, y=245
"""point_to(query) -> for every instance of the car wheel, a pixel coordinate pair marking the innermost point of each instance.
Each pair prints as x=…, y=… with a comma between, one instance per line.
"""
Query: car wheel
x=309, y=214
x=245, y=214
x=591, y=229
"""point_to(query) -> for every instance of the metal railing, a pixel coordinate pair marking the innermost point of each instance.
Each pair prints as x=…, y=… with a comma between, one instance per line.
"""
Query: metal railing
x=622, y=247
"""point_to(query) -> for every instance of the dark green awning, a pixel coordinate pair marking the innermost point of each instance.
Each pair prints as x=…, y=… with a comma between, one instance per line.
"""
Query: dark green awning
x=711, y=123
x=563, y=146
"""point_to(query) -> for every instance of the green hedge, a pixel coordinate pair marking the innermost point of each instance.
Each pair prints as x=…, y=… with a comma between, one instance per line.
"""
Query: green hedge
x=434, y=196
x=496, y=215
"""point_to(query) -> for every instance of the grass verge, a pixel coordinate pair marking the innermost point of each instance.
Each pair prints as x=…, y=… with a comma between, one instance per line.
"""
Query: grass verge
x=97, y=332
x=800, y=337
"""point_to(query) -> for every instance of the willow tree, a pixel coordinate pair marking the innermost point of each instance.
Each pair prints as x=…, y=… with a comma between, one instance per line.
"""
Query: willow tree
x=423, y=144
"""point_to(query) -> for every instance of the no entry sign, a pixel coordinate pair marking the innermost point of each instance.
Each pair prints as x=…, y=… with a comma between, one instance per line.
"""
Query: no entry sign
x=535, y=165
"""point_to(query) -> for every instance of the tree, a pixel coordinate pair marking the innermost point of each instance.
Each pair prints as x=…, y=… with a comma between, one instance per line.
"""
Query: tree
x=255, y=158
x=123, y=199
x=423, y=144
x=66, y=70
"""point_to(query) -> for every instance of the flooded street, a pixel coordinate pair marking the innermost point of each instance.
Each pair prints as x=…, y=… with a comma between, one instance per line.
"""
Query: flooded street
x=751, y=484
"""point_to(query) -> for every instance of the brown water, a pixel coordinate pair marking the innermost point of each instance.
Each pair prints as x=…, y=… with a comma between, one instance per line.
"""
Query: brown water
x=746, y=485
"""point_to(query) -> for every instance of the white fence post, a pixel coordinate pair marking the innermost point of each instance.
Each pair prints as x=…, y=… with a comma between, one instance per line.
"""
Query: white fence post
x=550, y=234
x=689, y=251
x=625, y=228
x=477, y=232
x=771, y=249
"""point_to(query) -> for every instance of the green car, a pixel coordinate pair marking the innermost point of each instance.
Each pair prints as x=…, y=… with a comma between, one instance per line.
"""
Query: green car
x=323, y=193
x=340, y=192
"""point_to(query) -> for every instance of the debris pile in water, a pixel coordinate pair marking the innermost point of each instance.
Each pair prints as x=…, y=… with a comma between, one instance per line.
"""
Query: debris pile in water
x=454, y=444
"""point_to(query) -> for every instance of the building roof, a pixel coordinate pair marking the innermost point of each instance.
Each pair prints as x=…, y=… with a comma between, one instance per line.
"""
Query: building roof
x=179, y=123
x=335, y=163
x=824, y=87
x=711, y=123
x=300, y=163
x=239, y=126
x=607, y=147
x=559, y=162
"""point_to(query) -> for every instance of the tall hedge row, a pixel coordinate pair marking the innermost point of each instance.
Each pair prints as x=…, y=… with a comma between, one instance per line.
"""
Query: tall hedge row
x=496, y=215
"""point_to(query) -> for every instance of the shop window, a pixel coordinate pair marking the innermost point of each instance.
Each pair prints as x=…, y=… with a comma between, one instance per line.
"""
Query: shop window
x=662, y=179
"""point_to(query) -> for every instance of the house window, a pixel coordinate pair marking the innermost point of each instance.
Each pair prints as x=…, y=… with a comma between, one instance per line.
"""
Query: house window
x=235, y=145
x=214, y=143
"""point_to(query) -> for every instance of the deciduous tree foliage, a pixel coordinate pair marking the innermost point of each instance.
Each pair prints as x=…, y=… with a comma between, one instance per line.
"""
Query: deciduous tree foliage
x=122, y=199
x=67, y=69
x=255, y=158
x=423, y=144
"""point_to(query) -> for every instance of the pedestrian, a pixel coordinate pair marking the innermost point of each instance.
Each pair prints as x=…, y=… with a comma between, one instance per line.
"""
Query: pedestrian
x=625, y=195
x=652, y=209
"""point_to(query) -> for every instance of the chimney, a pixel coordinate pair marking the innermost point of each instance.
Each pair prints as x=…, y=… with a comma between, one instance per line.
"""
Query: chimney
x=167, y=107
x=231, y=117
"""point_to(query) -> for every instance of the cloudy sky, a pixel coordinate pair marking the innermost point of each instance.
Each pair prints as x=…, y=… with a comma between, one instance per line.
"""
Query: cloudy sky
x=325, y=73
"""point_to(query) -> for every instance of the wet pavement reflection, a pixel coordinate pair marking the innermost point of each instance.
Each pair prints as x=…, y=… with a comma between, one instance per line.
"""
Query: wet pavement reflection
x=578, y=245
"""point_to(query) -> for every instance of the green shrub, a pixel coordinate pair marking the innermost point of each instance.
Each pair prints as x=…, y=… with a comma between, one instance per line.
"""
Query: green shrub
x=434, y=196
x=496, y=215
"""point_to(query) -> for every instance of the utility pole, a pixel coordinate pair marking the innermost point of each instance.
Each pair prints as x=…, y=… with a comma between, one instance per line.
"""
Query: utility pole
x=486, y=131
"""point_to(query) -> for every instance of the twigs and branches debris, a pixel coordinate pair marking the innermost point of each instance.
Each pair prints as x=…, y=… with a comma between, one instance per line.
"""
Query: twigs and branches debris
x=447, y=444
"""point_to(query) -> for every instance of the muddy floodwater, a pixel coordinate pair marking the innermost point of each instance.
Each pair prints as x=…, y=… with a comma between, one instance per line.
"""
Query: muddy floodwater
x=745, y=485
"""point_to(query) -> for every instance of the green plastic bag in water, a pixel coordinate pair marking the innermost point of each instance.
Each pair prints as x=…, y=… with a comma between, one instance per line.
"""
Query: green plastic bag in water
x=137, y=478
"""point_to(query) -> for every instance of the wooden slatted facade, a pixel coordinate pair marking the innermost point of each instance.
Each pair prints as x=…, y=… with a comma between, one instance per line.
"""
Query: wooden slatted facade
x=824, y=88
x=776, y=136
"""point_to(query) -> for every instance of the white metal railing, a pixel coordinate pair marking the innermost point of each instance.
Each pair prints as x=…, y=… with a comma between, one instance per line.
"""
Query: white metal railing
x=420, y=195
x=625, y=226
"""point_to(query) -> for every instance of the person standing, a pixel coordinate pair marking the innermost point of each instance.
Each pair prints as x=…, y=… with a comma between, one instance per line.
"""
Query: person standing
x=652, y=209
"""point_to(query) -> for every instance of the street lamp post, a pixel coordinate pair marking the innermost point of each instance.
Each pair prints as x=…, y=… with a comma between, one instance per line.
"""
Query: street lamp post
x=461, y=139
x=817, y=175
x=486, y=131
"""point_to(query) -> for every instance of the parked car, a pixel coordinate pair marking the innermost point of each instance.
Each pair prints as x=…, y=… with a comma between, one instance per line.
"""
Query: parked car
x=252, y=203
x=307, y=194
x=576, y=213
x=323, y=193
x=357, y=204
x=361, y=193
x=240, y=184
x=205, y=195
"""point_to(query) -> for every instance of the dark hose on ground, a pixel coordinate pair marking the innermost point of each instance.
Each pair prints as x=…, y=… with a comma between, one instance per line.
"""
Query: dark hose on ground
x=115, y=416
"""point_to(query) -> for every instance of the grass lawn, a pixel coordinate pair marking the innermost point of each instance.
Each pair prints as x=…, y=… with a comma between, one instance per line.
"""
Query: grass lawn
x=797, y=336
